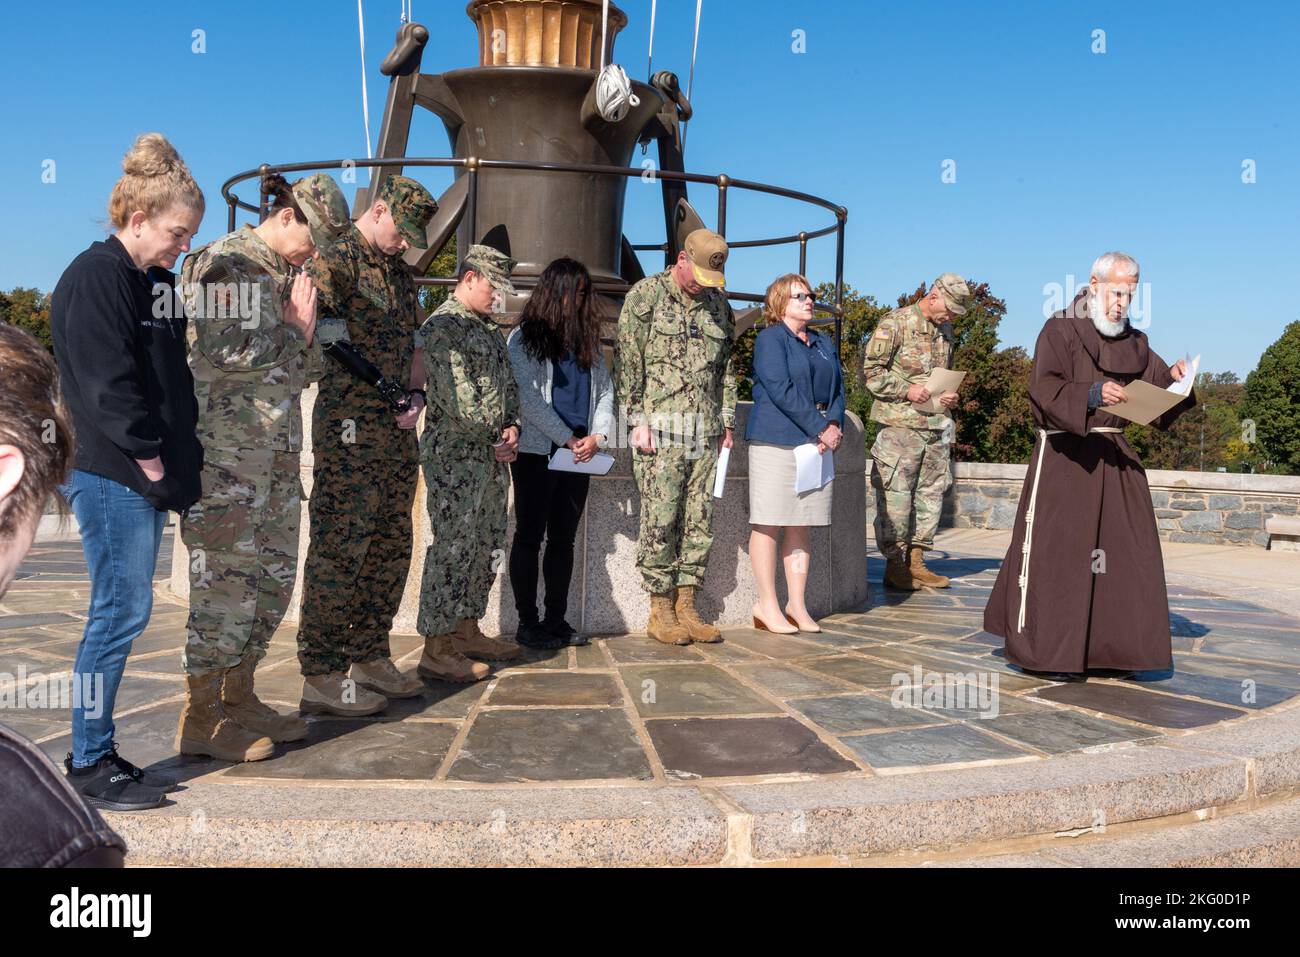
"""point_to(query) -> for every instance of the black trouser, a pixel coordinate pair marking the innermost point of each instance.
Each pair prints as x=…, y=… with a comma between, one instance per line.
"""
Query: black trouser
x=547, y=504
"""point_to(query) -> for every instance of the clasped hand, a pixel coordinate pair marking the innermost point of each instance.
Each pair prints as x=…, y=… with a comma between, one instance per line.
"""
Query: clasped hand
x=507, y=448
x=583, y=449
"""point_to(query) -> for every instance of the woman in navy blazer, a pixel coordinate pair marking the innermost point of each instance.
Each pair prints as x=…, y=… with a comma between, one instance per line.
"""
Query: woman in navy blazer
x=798, y=400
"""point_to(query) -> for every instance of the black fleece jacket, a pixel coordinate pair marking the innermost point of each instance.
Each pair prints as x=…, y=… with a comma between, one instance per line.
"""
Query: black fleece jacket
x=121, y=351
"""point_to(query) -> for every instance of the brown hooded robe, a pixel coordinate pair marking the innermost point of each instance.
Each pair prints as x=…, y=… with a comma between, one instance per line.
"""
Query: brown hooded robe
x=1092, y=494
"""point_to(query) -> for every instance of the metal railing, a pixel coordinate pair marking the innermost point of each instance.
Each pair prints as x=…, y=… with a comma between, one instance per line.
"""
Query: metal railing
x=474, y=166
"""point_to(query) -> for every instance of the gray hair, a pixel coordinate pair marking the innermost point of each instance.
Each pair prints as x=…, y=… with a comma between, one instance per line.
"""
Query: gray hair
x=1114, y=263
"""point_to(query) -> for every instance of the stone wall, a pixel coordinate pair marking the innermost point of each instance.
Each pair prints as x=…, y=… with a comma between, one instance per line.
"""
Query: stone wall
x=1206, y=507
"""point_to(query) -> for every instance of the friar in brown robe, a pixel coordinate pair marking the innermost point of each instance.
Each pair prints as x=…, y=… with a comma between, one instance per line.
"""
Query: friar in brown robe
x=1082, y=586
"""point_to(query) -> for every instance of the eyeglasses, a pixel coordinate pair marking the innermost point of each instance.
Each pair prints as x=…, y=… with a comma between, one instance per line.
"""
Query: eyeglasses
x=801, y=296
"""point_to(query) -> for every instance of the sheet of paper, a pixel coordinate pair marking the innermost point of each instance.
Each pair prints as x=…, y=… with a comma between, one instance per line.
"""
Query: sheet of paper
x=724, y=456
x=812, y=470
x=1145, y=402
x=939, y=382
x=1184, y=387
x=598, y=464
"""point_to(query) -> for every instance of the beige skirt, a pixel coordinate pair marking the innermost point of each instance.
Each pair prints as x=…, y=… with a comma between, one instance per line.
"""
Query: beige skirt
x=772, y=499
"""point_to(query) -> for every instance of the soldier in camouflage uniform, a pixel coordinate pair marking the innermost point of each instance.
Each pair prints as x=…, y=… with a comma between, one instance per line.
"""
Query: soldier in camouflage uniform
x=366, y=463
x=673, y=373
x=909, y=467
x=252, y=349
x=470, y=435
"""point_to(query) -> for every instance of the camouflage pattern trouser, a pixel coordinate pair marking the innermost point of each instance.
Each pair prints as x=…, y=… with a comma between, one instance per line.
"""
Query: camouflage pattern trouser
x=467, y=496
x=357, y=562
x=243, y=541
x=909, y=471
x=676, y=486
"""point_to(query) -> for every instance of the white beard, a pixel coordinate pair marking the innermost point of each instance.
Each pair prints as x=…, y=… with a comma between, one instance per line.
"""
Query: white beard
x=1109, y=329
x=1103, y=325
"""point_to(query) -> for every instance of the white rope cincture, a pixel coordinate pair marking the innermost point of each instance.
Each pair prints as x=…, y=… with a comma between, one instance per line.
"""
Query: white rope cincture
x=614, y=96
x=690, y=81
x=365, y=99
x=1025, y=547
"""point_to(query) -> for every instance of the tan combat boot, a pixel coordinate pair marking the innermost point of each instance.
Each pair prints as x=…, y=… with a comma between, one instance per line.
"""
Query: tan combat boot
x=689, y=618
x=250, y=712
x=897, y=574
x=472, y=643
x=206, y=730
x=441, y=661
x=663, y=625
x=382, y=676
x=338, y=694
x=922, y=574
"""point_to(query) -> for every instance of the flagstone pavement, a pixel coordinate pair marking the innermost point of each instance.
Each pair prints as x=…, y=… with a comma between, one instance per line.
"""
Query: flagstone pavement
x=910, y=684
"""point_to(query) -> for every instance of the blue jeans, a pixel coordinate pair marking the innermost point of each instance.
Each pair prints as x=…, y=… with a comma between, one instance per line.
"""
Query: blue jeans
x=120, y=535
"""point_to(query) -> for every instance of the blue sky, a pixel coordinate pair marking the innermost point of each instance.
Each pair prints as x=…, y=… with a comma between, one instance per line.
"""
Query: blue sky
x=1060, y=153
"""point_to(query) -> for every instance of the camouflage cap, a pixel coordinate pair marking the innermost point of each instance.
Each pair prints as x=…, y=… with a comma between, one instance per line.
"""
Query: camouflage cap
x=708, y=254
x=493, y=265
x=956, y=294
x=412, y=207
x=322, y=202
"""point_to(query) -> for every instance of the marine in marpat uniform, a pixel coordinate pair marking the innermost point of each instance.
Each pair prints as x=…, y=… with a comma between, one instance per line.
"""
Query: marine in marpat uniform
x=365, y=450
x=252, y=350
x=673, y=374
x=470, y=434
x=909, y=467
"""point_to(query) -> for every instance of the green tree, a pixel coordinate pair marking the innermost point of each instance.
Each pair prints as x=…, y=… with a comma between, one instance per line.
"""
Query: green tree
x=29, y=310
x=443, y=266
x=1272, y=406
x=1203, y=437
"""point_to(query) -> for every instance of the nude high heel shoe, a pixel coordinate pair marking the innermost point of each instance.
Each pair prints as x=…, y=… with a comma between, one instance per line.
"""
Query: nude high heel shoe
x=790, y=618
x=761, y=624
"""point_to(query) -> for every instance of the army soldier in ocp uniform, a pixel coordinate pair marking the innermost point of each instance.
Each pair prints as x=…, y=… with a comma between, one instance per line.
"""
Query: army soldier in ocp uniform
x=673, y=372
x=909, y=468
x=252, y=351
x=470, y=434
x=366, y=462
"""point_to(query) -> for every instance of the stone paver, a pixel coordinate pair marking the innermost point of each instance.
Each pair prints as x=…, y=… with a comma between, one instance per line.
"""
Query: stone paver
x=722, y=747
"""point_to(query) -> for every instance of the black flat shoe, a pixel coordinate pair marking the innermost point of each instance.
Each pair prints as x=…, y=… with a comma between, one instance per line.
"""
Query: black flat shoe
x=1121, y=674
x=538, y=637
x=566, y=632
x=150, y=779
x=109, y=786
x=1057, y=675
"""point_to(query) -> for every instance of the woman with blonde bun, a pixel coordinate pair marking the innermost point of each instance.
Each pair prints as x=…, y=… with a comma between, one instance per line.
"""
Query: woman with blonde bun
x=119, y=340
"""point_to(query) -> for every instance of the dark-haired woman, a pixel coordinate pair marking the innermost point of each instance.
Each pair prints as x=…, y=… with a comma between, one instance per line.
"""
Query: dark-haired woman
x=253, y=319
x=567, y=400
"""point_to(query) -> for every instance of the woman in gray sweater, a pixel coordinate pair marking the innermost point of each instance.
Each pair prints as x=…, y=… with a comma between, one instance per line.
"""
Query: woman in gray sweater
x=566, y=399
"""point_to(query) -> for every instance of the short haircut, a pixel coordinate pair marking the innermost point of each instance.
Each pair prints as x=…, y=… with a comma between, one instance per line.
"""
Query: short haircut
x=1114, y=263
x=33, y=419
x=778, y=295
